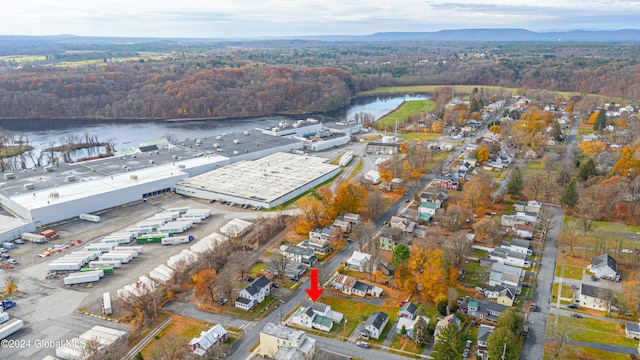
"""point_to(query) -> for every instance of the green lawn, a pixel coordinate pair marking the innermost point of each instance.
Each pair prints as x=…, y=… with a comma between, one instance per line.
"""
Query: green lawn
x=258, y=268
x=534, y=165
x=570, y=272
x=581, y=352
x=418, y=136
x=405, y=110
x=574, y=222
x=428, y=88
x=592, y=330
x=566, y=290
x=356, y=170
x=354, y=311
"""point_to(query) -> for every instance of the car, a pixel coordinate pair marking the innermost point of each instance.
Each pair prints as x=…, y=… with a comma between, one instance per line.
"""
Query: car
x=627, y=251
x=577, y=316
x=246, y=206
x=13, y=261
x=3, y=250
x=247, y=278
x=212, y=201
x=363, y=335
x=594, y=278
x=363, y=344
x=232, y=204
x=465, y=354
x=572, y=306
x=223, y=301
x=19, y=241
x=468, y=344
x=223, y=202
x=275, y=285
x=407, y=201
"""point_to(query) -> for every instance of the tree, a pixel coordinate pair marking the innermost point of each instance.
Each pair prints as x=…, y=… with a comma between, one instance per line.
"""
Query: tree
x=449, y=344
x=512, y=319
x=454, y=216
x=278, y=265
x=495, y=129
x=587, y=170
x=476, y=192
x=631, y=294
x=401, y=254
x=421, y=331
x=570, y=194
x=452, y=296
x=514, y=186
x=600, y=121
x=590, y=148
x=537, y=183
x=486, y=230
x=205, y=283
x=436, y=276
x=560, y=333
x=483, y=154
x=375, y=203
x=349, y=198
x=170, y=347
x=458, y=247
x=502, y=341
x=586, y=210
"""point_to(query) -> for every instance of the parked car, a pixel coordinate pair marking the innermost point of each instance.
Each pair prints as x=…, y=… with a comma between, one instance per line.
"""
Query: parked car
x=594, y=278
x=19, y=241
x=13, y=261
x=577, y=316
x=275, y=285
x=465, y=354
x=468, y=345
x=212, y=201
x=573, y=306
x=232, y=204
x=223, y=301
x=247, y=278
x=363, y=335
x=246, y=206
x=363, y=344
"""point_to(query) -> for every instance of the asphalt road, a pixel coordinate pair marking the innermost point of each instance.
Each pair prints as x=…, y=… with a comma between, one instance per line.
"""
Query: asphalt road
x=533, y=345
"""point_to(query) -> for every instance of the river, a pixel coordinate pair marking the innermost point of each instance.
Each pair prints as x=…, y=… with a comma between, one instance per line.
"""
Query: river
x=130, y=133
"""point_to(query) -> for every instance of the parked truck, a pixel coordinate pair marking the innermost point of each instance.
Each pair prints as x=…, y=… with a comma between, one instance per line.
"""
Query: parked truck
x=136, y=248
x=151, y=238
x=83, y=278
x=49, y=234
x=133, y=252
x=122, y=257
x=89, y=217
x=4, y=317
x=102, y=247
x=64, y=266
x=180, y=210
x=100, y=263
x=176, y=240
x=35, y=238
x=106, y=303
x=8, y=304
x=116, y=240
x=8, y=245
x=108, y=270
x=10, y=327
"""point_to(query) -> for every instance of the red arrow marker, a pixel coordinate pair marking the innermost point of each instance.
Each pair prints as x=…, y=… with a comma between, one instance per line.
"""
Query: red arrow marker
x=314, y=292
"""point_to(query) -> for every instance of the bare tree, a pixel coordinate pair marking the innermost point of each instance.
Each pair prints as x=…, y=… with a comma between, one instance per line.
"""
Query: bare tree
x=453, y=217
x=375, y=203
x=546, y=222
x=452, y=296
x=143, y=302
x=117, y=350
x=586, y=211
x=458, y=247
x=225, y=283
x=537, y=182
x=111, y=145
x=560, y=333
x=170, y=347
x=278, y=264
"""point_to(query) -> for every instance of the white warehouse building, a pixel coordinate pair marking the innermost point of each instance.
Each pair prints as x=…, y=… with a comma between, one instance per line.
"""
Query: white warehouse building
x=266, y=182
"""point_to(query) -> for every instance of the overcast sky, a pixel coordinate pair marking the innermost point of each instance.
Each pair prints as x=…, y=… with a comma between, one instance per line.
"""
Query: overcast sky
x=254, y=18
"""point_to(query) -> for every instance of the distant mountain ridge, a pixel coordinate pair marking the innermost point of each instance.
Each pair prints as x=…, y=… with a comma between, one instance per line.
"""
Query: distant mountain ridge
x=489, y=35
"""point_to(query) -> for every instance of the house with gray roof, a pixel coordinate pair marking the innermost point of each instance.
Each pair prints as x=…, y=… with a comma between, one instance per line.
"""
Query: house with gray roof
x=485, y=310
x=604, y=267
x=595, y=298
x=254, y=293
x=376, y=323
x=408, y=310
x=632, y=330
x=483, y=334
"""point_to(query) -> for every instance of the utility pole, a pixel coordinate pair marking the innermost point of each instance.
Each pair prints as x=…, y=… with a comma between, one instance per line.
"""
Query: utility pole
x=504, y=351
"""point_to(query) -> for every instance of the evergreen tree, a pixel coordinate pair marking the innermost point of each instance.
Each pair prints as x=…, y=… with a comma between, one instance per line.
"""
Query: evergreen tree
x=421, y=331
x=515, y=182
x=570, y=194
x=401, y=254
x=601, y=120
x=449, y=344
x=557, y=132
x=474, y=106
x=587, y=170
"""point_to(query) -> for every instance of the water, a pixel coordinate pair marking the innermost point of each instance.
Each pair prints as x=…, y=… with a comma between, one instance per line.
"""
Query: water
x=130, y=133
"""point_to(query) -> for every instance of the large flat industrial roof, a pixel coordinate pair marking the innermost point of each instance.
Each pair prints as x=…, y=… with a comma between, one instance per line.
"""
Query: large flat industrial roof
x=8, y=223
x=236, y=143
x=266, y=179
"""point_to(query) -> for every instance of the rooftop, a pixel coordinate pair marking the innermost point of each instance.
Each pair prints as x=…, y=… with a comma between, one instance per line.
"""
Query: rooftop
x=283, y=332
x=265, y=179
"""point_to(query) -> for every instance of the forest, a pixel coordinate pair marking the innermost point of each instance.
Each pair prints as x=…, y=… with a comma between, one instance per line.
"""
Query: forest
x=246, y=79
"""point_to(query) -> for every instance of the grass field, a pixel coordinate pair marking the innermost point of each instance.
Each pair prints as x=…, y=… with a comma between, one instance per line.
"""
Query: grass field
x=418, y=136
x=405, y=110
x=25, y=58
x=566, y=290
x=570, y=272
x=580, y=352
x=574, y=222
x=356, y=170
x=182, y=328
x=592, y=330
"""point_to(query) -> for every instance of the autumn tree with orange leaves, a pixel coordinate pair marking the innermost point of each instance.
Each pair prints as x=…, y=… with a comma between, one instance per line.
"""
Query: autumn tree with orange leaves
x=205, y=283
x=590, y=148
x=427, y=272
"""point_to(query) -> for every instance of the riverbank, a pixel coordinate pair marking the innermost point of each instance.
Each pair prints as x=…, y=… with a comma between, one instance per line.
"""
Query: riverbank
x=403, y=112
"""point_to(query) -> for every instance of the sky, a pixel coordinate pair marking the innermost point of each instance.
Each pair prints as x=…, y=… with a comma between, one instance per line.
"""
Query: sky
x=259, y=18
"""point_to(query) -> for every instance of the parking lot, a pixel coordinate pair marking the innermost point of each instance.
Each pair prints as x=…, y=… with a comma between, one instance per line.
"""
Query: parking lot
x=48, y=307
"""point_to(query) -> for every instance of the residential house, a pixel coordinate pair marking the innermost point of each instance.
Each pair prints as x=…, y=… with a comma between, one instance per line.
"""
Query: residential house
x=506, y=275
x=208, y=339
x=317, y=248
x=483, y=334
x=435, y=196
x=254, y=293
x=471, y=161
x=519, y=246
x=358, y=261
x=353, y=219
x=508, y=257
x=485, y=310
x=590, y=137
x=395, y=184
x=411, y=214
x=302, y=255
x=408, y=310
x=604, y=266
x=351, y=286
x=492, y=292
x=446, y=183
x=405, y=225
x=409, y=325
x=341, y=224
x=420, y=231
x=293, y=269
x=596, y=298
x=315, y=315
x=510, y=220
x=376, y=323
x=285, y=341
x=632, y=330
x=530, y=154
x=427, y=208
x=443, y=323
x=506, y=297
x=390, y=237
x=531, y=206
x=524, y=231
x=324, y=235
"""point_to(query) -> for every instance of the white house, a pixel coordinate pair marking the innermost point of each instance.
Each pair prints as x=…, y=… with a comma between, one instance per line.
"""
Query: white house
x=595, y=298
x=358, y=261
x=524, y=231
x=508, y=257
x=428, y=208
x=483, y=334
x=632, y=330
x=315, y=315
x=208, y=339
x=305, y=256
x=604, y=266
x=376, y=323
x=254, y=293
x=519, y=246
